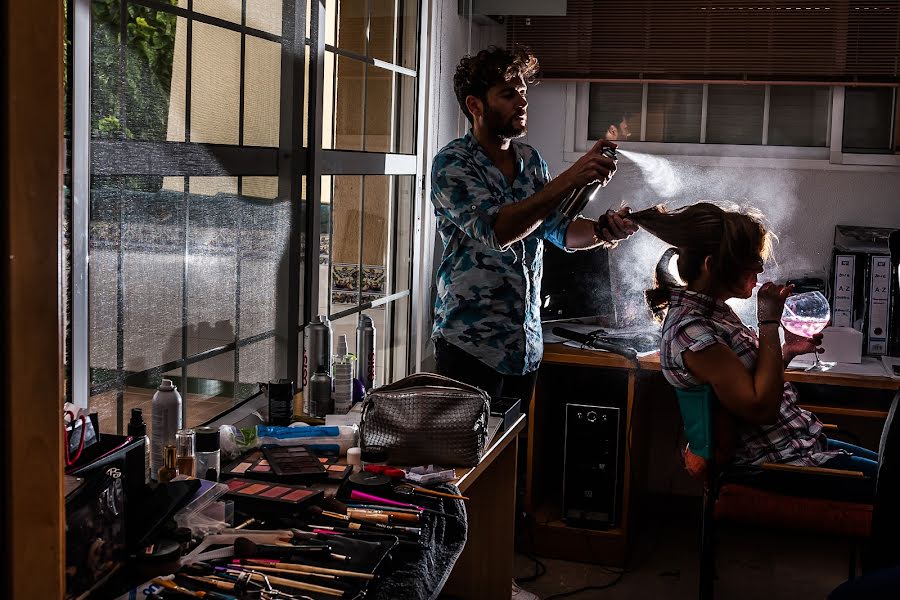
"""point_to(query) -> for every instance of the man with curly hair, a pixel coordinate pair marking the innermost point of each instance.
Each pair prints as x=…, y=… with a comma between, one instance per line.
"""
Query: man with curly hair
x=495, y=204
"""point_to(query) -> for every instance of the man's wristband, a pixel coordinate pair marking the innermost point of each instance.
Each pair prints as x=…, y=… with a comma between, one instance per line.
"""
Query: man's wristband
x=769, y=322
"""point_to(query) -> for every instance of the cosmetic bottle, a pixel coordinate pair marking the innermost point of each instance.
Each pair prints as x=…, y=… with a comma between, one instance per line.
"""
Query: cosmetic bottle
x=206, y=455
x=166, y=414
x=169, y=470
x=343, y=378
x=184, y=446
x=138, y=429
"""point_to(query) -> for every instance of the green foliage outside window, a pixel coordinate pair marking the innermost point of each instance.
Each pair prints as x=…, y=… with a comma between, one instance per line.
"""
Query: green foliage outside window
x=147, y=71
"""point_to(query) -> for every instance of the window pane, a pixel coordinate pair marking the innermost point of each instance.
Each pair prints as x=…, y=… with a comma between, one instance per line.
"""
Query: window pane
x=227, y=10
x=674, y=112
x=136, y=241
x=215, y=84
x=211, y=262
x=210, y=388
x=141, y=109
x=610, y=105
x=265, y=15
x=262, y=92
x=393, y=29
x=350, y=19
x=798, y=115
x=406, y=111
x=382, y=101
x=257, y=365
x=346, y=119
x=344, y=243
x=868, y=116
x=734, y=114
x=264, y=226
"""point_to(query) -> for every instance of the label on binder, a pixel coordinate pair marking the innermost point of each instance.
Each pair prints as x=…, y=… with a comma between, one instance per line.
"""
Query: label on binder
x=842, y=304
x=879, y=304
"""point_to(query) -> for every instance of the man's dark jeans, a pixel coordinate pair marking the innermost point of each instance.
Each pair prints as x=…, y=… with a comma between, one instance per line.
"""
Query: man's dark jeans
x=456, y=363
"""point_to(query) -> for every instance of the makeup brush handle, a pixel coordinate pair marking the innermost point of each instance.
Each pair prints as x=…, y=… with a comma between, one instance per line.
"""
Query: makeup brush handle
x=324, y=570
x=297, y=585
x=357, y=495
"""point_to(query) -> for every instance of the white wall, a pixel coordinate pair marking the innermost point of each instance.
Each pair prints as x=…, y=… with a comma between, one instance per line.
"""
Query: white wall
x=452, y=37
x=802, y=205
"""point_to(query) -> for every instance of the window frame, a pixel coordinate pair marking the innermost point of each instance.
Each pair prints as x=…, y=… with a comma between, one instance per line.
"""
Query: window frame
x=829, y=157
x=290, y=162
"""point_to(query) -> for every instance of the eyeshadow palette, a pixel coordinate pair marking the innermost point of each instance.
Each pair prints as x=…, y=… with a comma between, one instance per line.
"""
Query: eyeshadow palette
x=251, y=496
x=292, y=463
x=252, y=465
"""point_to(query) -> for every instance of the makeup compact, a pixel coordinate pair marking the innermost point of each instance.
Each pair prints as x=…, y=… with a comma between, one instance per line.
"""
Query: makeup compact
x=253, y=465
x=291, y=463
x=251, y=496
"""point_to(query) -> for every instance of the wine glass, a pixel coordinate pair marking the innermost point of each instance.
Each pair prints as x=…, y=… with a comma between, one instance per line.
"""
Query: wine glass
x=805, y=315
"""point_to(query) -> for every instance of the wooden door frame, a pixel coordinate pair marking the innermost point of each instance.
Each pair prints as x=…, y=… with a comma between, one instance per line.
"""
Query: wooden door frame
x=32, y=279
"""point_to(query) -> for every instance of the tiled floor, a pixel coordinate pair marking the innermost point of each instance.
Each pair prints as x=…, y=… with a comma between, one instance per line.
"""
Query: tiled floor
x=751, y=564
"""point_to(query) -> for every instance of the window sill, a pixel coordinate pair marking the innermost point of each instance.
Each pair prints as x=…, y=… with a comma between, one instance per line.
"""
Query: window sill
x=778, y=157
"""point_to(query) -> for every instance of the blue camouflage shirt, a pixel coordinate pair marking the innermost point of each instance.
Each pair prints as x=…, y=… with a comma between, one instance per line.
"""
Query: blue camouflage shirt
x=488, y=297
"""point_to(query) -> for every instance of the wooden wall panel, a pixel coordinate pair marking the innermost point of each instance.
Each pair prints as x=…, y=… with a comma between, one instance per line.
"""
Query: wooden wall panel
x=32, y=309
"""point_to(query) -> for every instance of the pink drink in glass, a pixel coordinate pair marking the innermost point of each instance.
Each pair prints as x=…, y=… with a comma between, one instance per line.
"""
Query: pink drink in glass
x=804, y=326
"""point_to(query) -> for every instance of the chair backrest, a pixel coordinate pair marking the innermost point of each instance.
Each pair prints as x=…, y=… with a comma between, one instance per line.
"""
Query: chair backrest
x=696, y=405
x=884, y=550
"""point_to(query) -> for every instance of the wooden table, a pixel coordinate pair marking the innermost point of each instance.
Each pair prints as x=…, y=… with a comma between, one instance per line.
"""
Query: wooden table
x=624, y=379
x=484, y=570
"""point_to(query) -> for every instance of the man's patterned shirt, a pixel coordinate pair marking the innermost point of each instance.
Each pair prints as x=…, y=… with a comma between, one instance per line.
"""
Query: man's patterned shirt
x=488, y=296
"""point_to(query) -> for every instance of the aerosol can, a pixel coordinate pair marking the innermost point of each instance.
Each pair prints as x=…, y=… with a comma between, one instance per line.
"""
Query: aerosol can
x=365, y=351
x=316, y=352
x=579, y=198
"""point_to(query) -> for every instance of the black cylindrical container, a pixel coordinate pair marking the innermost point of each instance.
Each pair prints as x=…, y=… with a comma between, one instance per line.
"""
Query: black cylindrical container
x=319, y=394
x=316, y=352
x=365, y=351
x=581, y=197
x=281, y=402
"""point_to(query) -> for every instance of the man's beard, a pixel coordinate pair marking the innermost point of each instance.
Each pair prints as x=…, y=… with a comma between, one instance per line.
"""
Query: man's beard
x=506, y=130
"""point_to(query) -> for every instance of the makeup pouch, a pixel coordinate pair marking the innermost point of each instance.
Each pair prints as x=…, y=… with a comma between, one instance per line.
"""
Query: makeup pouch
x=426, y=419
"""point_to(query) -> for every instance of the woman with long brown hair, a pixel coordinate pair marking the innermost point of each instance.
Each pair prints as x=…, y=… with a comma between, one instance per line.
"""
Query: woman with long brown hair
x=720, y=254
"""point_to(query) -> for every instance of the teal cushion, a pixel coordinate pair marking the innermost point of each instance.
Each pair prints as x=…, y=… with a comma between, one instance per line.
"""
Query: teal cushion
x=696, y=406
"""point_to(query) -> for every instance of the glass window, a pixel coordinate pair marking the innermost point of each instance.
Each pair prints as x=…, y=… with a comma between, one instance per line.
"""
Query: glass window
x=191, y=262
x=869, y=119
x=369, y=253
x=611, y=105
x=674, y=113
x=148, y=104
x=262, y=92
x=734, y=114
x=265, y=15
x=215, y=84
x=798, y=115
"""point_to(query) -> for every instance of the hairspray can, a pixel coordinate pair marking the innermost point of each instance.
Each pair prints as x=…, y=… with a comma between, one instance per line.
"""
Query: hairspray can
x=316, y=352
x=318, y=394
x=581, y=197
x=365, y=351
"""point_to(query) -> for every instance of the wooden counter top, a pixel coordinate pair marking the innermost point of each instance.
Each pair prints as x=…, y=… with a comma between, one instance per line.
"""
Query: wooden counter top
x=562, y=354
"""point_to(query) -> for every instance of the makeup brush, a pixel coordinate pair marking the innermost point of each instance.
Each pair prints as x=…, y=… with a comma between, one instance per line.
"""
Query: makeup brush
x=244, y=548
x=310, y=569
x=353, y=523
x=258, y=577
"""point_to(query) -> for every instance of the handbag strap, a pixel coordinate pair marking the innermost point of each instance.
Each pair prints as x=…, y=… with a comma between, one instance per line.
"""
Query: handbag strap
x=420, y=379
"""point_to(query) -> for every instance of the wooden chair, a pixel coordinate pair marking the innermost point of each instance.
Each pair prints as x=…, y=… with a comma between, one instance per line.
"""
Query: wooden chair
x=773, y=494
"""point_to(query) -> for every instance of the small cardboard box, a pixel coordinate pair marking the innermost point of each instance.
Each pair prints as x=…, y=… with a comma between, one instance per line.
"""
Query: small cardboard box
x=842, y=344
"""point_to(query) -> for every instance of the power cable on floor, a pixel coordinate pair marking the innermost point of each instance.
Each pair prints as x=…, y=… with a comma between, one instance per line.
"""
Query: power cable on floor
x=589, y=588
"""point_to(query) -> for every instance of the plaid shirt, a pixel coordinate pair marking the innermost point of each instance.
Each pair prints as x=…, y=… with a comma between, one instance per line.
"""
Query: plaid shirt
x=488, y=297
x=696, y=321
